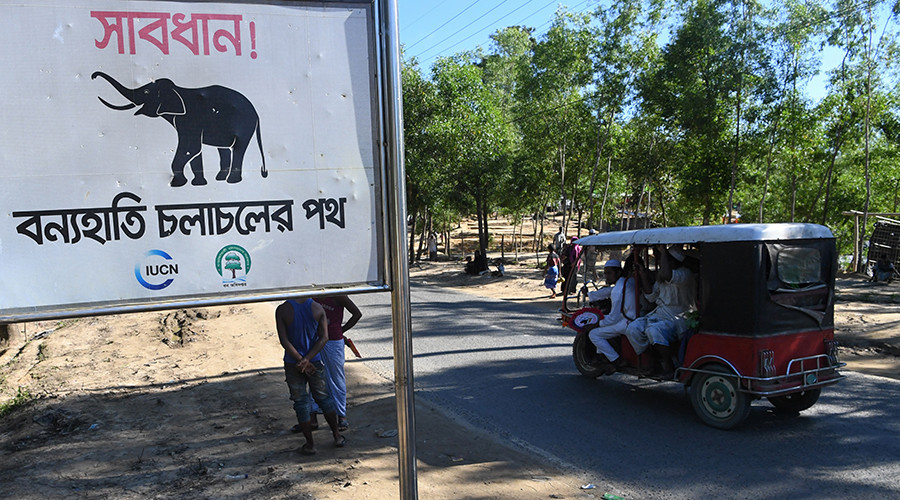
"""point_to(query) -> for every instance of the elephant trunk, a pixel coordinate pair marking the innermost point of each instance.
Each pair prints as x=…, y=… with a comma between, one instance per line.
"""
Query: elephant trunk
x=125, y=91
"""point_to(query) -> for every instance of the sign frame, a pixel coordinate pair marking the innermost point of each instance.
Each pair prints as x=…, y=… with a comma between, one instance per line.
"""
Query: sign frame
x=381, y=214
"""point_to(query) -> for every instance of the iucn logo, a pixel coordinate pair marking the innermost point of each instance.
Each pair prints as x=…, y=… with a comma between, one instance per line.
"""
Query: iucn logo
x=156, y=270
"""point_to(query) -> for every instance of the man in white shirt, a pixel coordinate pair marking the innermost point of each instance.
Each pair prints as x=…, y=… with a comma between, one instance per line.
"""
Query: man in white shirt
x=559, y=241
x=674, y=293
x=624, y=309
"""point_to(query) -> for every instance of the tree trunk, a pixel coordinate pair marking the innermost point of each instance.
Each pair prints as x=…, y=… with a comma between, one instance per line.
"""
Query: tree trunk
x=837, y=145
x=793, y=197
x=737, y=125
x=605, y=191
x=481, y=215
x=793, y=163
x=422, y=237
x=637, y=209
x=412, y=238
x=561, y=151
x=572, y=210
x=868, y=124
x=662, y=208
x=828, y=175
x=896, y=194
x=601, y=141
x=769, y=154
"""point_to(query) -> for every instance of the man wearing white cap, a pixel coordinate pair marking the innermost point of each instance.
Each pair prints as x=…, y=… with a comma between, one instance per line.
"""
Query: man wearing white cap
x=674, y=293
x=624, y=309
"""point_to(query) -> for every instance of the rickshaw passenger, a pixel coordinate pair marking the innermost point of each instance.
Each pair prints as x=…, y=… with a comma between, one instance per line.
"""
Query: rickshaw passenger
x=674, y=293
x=621, y=293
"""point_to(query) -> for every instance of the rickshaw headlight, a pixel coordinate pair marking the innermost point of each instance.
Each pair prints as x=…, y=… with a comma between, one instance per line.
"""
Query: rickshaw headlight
x=767, y=363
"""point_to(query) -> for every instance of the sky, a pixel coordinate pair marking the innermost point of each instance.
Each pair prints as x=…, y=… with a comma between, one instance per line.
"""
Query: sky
x=433, y=28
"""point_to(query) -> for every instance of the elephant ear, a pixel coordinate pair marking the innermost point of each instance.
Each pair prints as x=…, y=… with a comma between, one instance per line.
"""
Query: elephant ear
x=170, y=102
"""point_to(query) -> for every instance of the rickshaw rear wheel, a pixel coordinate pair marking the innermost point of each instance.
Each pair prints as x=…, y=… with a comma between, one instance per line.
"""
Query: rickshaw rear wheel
x=583, y=352
x=716, y=398
x=797, y=402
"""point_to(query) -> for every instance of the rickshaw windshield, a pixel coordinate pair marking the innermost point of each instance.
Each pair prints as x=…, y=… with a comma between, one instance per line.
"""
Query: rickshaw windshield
x=795, y=267
x=799, y=274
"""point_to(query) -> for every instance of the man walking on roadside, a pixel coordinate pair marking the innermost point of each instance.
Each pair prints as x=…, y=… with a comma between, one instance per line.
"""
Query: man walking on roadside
x=303, y=332
x=559, y=240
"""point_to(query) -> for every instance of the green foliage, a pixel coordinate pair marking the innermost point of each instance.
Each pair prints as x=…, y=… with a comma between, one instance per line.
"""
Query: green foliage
x=43, y=352
x=21, y=398
x=599, y=112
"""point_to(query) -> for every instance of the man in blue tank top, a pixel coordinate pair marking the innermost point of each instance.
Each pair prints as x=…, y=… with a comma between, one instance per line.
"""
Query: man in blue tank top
x=303, y=332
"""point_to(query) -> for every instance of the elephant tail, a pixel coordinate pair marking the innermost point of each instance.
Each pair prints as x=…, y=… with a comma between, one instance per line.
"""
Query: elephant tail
x=265, y=173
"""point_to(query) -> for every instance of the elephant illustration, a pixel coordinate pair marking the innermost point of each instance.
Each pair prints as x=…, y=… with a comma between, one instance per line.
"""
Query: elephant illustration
x=216, y=116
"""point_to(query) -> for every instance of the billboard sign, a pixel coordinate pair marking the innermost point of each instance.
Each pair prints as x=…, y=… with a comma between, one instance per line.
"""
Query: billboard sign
x=163, y=153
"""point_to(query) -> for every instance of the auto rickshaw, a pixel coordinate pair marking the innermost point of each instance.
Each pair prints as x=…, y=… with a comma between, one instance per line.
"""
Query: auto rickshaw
x=764, y=325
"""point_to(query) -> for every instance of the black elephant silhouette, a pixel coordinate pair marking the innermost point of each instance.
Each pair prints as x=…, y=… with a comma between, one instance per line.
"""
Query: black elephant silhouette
x=216, y=116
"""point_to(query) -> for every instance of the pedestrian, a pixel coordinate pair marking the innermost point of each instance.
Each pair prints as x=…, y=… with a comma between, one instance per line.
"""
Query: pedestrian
x=432, y=246
x=551, y=270
x=571, y=254
x=303, y=332
x=333, y=354
x=559, y=239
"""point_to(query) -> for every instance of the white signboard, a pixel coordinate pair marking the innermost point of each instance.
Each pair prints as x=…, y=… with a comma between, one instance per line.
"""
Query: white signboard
x=168, y=152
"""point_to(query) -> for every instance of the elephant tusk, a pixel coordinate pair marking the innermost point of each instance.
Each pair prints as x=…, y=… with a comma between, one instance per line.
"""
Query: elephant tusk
x=112, y=106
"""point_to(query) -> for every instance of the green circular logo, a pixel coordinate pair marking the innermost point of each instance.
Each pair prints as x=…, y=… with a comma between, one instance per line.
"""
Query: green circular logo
x=233, y=258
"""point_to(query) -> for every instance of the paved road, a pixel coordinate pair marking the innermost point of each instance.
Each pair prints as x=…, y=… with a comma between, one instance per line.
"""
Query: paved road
x=506, y=367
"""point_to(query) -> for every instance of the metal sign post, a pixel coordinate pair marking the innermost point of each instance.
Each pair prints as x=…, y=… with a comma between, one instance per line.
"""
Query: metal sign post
x=399, y=267
x=198, y=153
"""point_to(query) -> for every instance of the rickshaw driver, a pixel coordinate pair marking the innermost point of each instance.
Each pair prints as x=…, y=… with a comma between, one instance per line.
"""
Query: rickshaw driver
x=620, y=314
x=674, y=293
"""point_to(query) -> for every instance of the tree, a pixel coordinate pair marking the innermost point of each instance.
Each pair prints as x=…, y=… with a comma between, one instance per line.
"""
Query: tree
x=425, y=177
x=474, y=142
x=627, y=48
x=788, y=119
x=233, y=263
x=552, y=110
x=690, y=92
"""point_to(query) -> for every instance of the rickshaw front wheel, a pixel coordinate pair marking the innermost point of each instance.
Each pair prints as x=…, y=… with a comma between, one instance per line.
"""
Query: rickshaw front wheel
x=716, y=398
x=583, y=352
x=797, y=402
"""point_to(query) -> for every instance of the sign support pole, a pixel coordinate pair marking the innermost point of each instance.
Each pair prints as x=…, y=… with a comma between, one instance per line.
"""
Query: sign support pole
x=399, y=266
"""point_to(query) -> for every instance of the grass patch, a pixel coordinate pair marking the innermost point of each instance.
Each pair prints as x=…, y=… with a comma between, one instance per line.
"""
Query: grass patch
x=43, y=352
x=66, y=323
x=22, y=397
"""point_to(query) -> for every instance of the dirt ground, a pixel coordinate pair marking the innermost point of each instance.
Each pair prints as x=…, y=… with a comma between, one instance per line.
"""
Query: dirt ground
x=184, y=404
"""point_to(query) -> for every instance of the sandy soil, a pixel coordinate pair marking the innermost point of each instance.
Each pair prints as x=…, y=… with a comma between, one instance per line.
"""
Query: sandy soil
x=183, y=404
